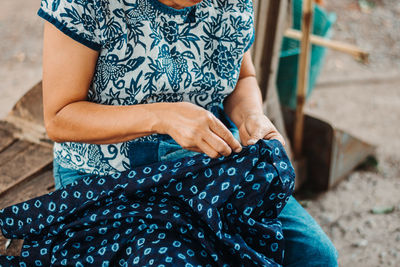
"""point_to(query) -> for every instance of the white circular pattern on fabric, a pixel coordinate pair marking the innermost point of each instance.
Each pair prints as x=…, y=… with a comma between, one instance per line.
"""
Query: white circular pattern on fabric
x=153, y=221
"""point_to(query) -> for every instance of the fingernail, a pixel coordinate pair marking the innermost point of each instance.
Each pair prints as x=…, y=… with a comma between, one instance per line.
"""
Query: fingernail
x=252, y=141
x=237, y=150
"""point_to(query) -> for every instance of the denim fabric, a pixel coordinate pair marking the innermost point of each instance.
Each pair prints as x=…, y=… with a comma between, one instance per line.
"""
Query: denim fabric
x=64, y=176
x=306, y=244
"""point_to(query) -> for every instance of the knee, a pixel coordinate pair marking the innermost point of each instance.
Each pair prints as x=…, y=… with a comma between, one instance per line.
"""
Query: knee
x=320, y=251
x=313, y=249
x=306, y=244
x=323, y=253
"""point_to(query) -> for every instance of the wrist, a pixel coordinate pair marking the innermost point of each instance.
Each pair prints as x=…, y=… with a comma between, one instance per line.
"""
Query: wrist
x=158, y=122
x=245, y=115
x=251, y=113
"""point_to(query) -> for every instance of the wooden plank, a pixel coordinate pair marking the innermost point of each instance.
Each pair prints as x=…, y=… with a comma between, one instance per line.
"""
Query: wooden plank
x=30, y=106
x=25, y=164
x=27, y=116
x=350, y=49
x=13, y=150
x=27, y=176
x=278, y=16
x=275, y=25
x=6, y=139
x=261, y=32
x=13, y=250
x=256, y=3
x=40, y=184
x=272, y=19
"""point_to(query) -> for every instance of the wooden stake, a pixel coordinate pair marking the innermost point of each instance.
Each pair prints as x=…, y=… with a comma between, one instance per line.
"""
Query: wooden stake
x=336, y=45
x=302, y=81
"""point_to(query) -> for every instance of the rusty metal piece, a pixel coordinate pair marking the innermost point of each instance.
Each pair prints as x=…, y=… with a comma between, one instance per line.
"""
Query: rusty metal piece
x=331, y=153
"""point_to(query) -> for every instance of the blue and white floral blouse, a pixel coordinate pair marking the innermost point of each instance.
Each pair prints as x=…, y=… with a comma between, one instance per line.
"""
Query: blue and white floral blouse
x=150, y=52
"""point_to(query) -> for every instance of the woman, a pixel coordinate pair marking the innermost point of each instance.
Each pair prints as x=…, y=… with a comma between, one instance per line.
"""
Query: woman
x=132, y=82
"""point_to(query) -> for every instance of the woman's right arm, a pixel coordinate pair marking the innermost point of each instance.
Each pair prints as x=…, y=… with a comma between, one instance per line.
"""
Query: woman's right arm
x=68, y=69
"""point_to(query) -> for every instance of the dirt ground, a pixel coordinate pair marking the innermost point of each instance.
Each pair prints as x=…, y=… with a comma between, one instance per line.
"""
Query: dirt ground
x=363, y=100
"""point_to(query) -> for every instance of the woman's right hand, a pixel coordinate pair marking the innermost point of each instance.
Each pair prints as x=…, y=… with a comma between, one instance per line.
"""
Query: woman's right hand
x=195, y=128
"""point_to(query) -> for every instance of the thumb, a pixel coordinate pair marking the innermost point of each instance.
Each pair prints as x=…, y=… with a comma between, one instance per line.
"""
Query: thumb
x=244, y=135
x=277, y=136
x=255, y=137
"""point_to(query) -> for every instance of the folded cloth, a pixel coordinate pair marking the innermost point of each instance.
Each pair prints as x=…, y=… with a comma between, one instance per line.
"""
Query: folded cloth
x=194, y=211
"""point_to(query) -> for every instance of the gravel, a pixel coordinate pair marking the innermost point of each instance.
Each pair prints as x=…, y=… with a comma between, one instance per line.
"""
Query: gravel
x=364, y=100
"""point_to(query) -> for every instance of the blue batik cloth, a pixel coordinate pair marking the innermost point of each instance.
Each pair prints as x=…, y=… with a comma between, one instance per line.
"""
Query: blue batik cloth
x=193, y=211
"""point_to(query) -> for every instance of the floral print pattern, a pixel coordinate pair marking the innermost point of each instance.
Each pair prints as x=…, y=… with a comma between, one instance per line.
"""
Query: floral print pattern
x=150, y=52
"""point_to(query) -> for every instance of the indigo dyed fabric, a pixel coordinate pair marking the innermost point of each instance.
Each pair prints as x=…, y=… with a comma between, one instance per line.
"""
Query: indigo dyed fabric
x=194, y=211
x=150, y=52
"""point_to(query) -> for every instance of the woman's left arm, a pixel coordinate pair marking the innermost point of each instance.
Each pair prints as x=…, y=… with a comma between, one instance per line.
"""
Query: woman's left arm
x=244, y=107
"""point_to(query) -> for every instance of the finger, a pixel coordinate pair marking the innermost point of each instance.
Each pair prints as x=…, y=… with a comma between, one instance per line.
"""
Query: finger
x=195, y=149
x=220, y=129
x=255, y=137
x=275, y=135
x=244, y=135
x=207, y=149
x=257, y=134
x=217, y=143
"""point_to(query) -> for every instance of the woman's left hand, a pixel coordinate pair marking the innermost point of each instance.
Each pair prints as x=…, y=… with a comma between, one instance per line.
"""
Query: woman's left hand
x=257, y=126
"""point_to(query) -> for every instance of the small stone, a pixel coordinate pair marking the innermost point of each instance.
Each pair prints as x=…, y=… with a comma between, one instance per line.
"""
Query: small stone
x=20, y=57
x=360, y=231
x=326, y=219
x=369, y=223
x=394, y=253
x=336, y=233
x=360, y=243
x=348, y=186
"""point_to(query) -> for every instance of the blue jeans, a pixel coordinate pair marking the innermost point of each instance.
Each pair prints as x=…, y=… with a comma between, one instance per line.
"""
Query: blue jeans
x=305, y=241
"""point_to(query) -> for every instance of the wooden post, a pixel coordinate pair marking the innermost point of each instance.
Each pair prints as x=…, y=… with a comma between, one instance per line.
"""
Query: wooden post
x=272, y=19
x=302, y=81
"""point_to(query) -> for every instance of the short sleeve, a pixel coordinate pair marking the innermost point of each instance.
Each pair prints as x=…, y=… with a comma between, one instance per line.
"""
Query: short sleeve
x=248, y=7
x=79, y=19
x=253, y=36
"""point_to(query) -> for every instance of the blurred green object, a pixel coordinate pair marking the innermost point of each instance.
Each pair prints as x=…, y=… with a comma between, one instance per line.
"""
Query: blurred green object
x=382, y=210
x=288, y=62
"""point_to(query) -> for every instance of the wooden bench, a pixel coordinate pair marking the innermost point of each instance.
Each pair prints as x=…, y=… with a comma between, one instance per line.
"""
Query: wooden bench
x=26, y=157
